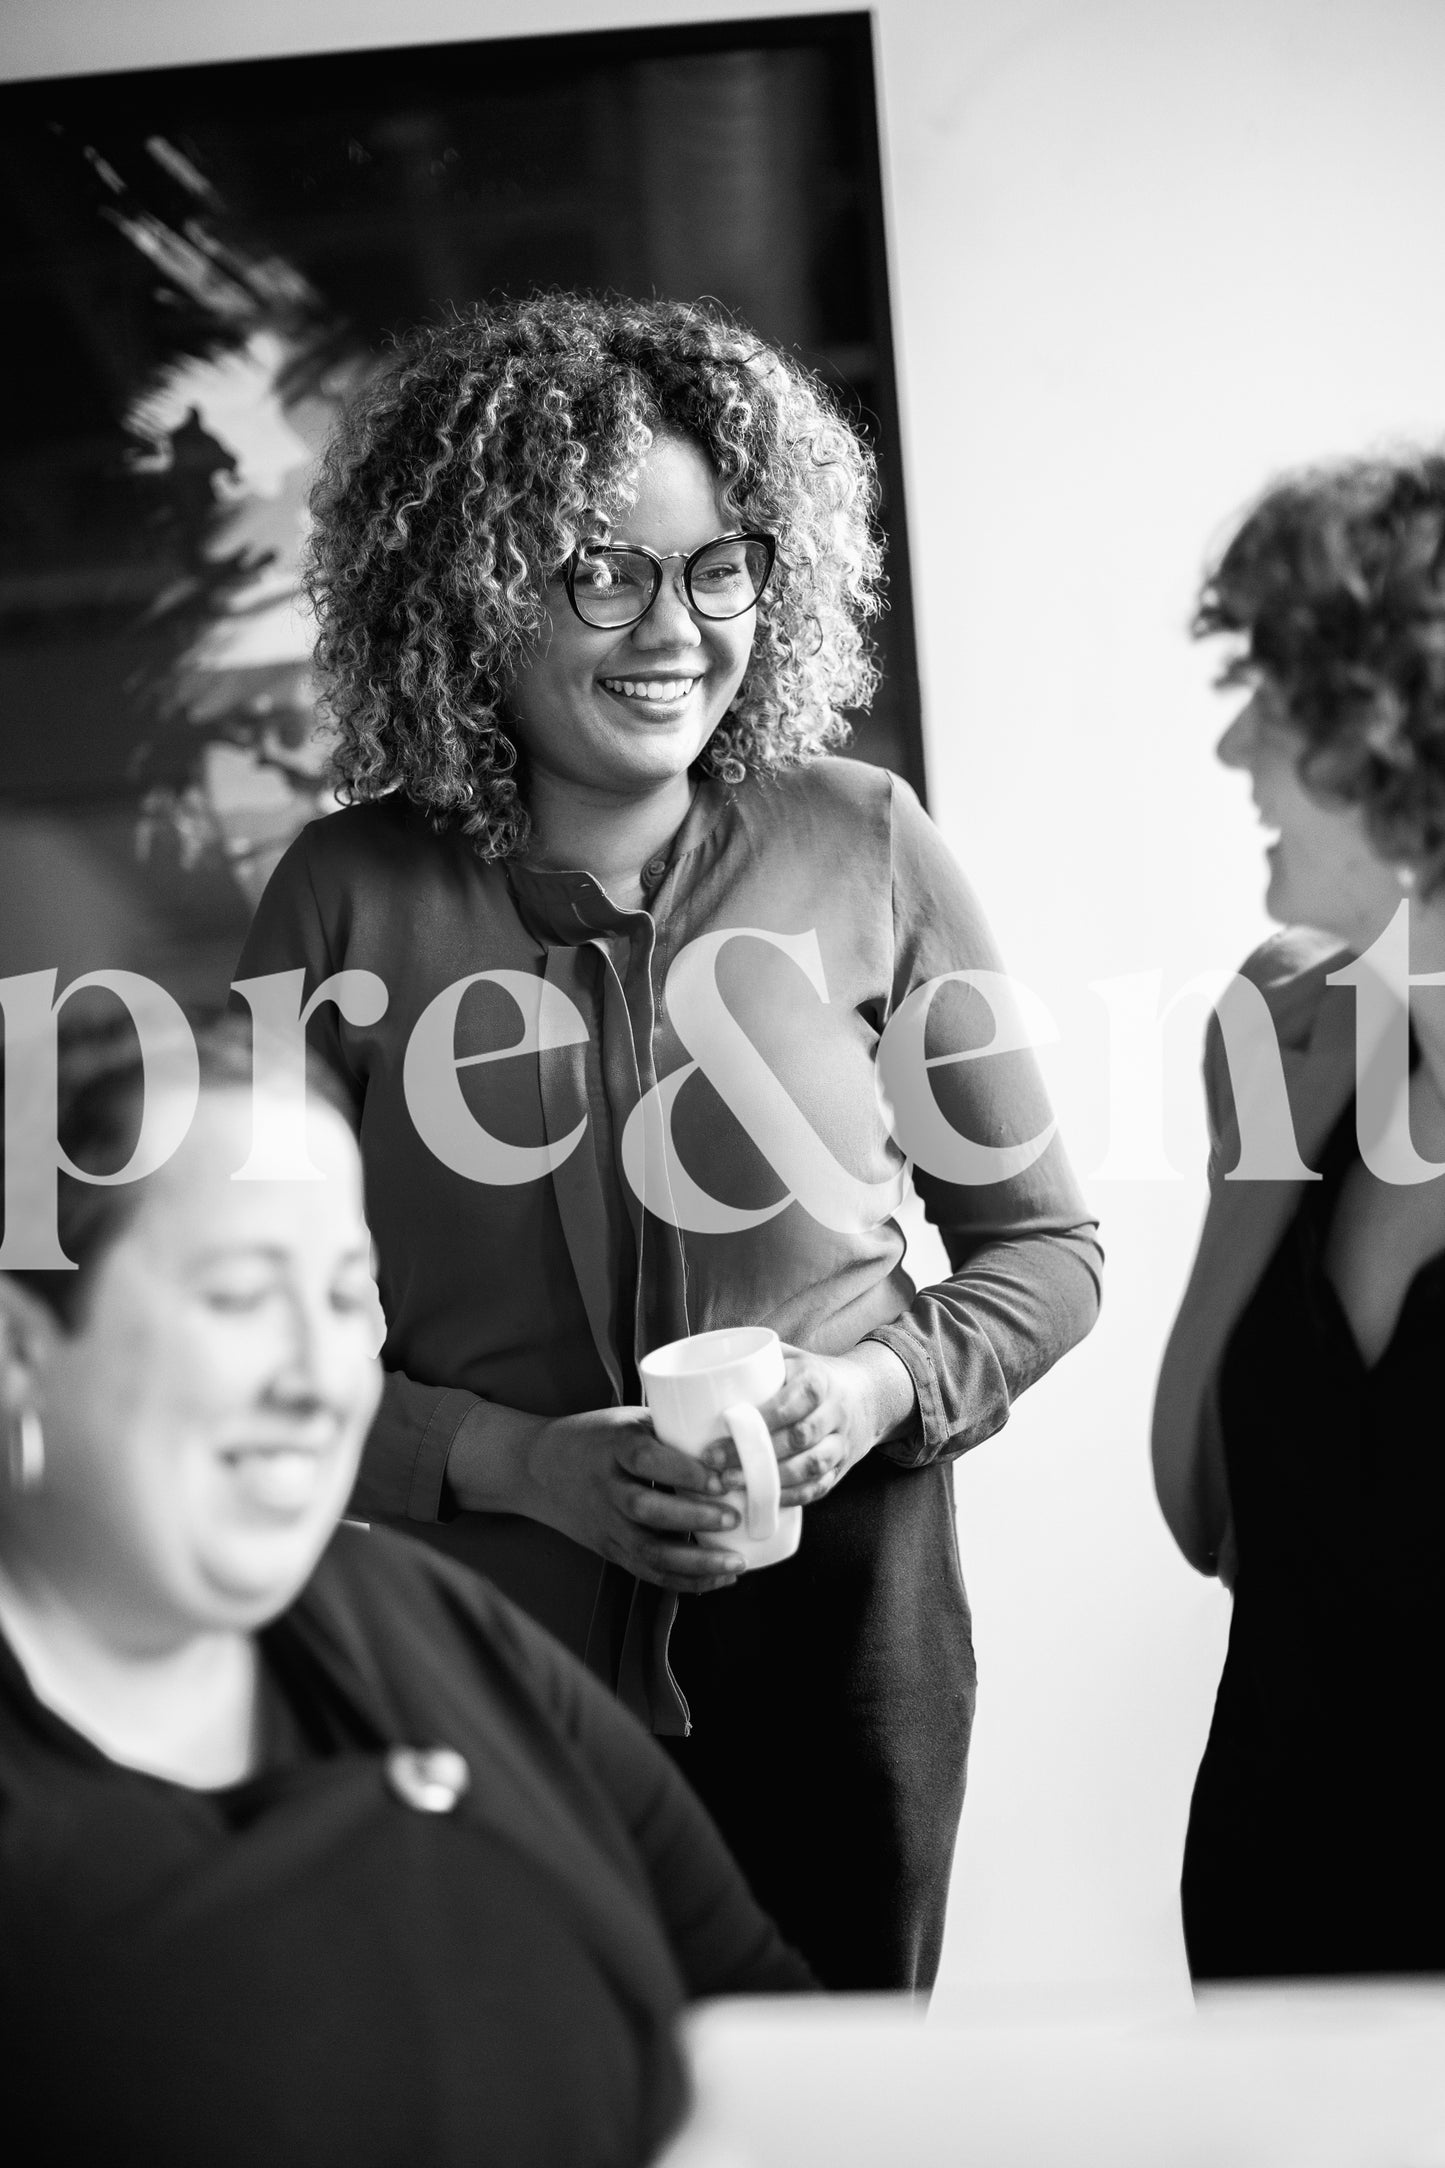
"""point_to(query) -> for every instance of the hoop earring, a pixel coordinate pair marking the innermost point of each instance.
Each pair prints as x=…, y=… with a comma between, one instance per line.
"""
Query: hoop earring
x=27, y=1451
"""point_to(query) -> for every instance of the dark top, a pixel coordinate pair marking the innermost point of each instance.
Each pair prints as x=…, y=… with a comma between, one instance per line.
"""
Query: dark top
x=664, y=1120
x=308, y=1968
x=1315, y=1841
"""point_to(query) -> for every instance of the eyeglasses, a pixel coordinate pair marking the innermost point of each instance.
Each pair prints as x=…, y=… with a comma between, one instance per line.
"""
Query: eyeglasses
x=614, y=587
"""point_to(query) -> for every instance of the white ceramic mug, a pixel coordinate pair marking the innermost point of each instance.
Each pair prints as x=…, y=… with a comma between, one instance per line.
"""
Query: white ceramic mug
x=709, y=1387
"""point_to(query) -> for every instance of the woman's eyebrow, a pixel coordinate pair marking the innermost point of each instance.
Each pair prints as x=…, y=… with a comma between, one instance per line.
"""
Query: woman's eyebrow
x=272, y=1253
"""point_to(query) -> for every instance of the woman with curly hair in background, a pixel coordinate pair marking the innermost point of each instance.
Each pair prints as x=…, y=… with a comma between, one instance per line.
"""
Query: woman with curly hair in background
x=1297, y=1434
x=592, y=581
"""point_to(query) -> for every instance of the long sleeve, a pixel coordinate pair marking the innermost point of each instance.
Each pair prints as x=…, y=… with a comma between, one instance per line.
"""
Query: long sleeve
x=1026, y=1260
x=403, y=1468
x=455, y=1661
x=724, y=1943
x=293, y=931
x=404, y=1464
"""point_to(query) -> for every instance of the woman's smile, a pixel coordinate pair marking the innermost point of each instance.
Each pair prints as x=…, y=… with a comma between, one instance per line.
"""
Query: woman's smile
x=625, y=712
x=277, y=1479
x=661, y=698
x=1323, y=870
x=213, y=1402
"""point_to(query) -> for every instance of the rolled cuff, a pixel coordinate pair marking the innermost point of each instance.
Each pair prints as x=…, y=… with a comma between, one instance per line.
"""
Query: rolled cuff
x=973, y=1343
x=936, y=1432
x=403, y=1468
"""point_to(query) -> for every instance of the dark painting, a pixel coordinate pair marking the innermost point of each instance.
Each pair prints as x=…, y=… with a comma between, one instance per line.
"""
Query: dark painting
x=198, y=263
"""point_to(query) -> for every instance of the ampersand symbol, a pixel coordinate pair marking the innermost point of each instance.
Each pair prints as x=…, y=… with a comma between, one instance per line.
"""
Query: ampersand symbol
x=742, y=1079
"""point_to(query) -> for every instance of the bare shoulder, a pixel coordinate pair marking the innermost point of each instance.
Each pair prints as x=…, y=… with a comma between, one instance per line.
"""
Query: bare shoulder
x=1291, y=969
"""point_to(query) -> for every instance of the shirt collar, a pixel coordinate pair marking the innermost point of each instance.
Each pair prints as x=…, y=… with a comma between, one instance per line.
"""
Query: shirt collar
x=563, y=907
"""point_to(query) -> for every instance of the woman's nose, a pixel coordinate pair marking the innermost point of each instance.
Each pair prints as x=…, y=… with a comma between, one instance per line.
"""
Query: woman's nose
x=670, y=622
x=318, y=1363
x=1237, y=746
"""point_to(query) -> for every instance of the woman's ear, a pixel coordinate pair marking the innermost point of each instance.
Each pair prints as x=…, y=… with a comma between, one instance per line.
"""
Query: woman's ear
x=29, y=1334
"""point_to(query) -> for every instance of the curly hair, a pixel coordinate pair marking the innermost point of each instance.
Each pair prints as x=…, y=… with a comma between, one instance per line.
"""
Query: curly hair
x=471, y=467
x=1336, y=580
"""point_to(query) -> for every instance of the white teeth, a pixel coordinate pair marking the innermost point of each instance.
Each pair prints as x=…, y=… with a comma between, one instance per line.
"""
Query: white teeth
x=277, y=1479
x=651, y=688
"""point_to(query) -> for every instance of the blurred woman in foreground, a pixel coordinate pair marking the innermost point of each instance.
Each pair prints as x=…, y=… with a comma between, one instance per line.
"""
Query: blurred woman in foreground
x=1297, y=1439
x=311, y=1848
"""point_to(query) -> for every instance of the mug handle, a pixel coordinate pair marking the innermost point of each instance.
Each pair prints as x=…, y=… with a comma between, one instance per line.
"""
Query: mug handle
x=754, y=1441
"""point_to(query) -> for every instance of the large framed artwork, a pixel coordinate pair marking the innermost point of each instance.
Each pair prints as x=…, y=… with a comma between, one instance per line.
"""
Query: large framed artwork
x=198, y=263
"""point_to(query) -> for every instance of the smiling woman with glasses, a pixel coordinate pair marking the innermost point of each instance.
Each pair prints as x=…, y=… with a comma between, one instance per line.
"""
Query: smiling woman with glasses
x=593, y=582
x=611, y=588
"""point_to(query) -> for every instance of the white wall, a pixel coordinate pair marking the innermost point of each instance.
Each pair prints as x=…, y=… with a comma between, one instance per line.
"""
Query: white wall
x=1144, y=253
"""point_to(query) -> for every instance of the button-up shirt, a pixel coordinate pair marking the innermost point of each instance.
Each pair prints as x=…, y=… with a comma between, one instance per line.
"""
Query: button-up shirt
x=679, y=1129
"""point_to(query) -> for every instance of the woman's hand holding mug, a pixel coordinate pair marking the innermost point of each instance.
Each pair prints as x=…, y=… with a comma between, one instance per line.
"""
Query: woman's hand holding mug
x=593, y=1476
x=705, y=1395
x=598, y=1471
x=832, y=1410
x=596, y=1476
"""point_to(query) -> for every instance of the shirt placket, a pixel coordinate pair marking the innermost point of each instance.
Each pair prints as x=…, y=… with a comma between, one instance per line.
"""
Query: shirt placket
x=575, y=1086
x=646, y=1680
x=660, y=1308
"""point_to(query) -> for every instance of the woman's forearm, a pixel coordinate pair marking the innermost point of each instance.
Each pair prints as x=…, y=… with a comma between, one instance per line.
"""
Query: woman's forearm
x=491, y=1467
x=975, y=1341
x=498, y=1461
x=605, y=1480
x=890, y=1387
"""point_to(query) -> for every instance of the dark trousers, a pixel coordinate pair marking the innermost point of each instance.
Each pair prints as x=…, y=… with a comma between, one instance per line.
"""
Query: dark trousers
x=832, y=1699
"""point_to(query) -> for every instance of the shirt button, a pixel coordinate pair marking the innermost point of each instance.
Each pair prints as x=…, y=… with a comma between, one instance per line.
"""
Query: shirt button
x=431, y=1779
x=653, y=871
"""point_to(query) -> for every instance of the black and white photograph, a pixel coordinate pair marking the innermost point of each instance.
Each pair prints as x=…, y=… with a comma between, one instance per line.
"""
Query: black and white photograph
x=694, y=701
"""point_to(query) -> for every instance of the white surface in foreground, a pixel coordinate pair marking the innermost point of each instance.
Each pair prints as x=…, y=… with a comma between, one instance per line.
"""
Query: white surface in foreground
x=1324, y=2077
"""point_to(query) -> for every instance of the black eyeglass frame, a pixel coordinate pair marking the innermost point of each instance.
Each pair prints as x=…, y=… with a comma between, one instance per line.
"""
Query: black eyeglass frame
x=640, y=549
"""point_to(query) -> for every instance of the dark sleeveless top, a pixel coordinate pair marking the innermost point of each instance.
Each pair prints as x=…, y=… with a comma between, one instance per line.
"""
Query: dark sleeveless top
x=1316, y=1838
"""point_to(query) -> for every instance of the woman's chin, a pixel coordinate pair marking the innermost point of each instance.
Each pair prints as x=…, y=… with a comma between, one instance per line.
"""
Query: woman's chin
x=1289, y=906
x=248, y=1580
x=1279, y=899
